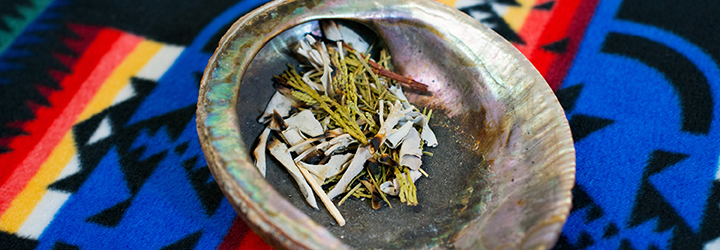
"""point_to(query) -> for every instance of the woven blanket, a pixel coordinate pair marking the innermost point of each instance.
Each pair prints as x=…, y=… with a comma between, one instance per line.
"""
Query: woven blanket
x=98, y=146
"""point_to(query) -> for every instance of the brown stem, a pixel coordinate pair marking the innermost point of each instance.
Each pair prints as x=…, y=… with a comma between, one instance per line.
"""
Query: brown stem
x=405, y=81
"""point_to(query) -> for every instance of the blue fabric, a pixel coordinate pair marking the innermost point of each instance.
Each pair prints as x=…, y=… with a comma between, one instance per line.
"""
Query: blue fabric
x=169, y=198
x=641, y=97
x=656, y=154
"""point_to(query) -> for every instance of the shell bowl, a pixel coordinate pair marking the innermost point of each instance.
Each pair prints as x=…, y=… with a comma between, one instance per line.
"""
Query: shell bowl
x=500, y=178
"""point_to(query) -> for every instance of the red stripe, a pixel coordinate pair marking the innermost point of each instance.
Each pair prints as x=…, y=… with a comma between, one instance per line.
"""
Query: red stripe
x=52, y=124
x=560, y=21
x=86, y=35
x=234, y=236
x=22, y=145
x=241, y=237
x=532, y=29
x=253, y=241
x=561, y=65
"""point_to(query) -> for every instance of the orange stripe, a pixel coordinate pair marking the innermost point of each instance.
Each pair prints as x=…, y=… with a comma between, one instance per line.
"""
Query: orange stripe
x=120, y=77
x=533, y=28
x=560, y=20
x=23, y=205
x=27, y=169
x=450, y=3
x=59, y=98
x=516, y=15
x=131, y=64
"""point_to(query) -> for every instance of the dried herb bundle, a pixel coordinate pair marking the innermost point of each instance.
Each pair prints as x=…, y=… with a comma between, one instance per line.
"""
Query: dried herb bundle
x=346, y=127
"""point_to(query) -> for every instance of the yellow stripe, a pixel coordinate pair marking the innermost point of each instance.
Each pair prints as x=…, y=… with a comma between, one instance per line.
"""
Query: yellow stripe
x=27, y=199
x=515, y=16
x=450, y=3
x=120, y=77
x=25, y=202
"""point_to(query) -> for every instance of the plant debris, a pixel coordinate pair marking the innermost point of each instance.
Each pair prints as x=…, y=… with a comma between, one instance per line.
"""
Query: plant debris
x=345, y=126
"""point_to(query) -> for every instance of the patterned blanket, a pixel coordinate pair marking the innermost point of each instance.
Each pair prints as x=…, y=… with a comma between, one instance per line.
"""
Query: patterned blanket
x=98, y=148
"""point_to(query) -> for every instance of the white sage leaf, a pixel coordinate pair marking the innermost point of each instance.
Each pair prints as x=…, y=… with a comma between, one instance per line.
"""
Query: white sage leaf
x=306, y=122
x=279, y=150
x=259, y=151
x=278, y=102
x=356, y=165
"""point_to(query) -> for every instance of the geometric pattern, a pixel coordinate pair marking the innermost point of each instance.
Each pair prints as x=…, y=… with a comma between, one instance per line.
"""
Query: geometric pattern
x=545, y=31
x=99, y=148
x=645, y=130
